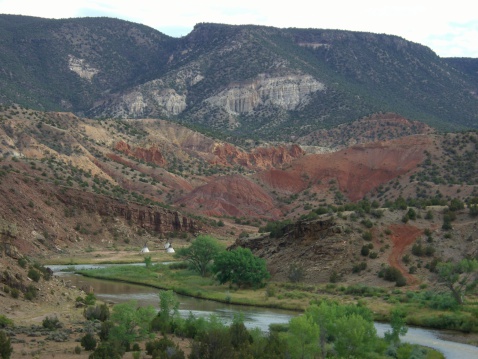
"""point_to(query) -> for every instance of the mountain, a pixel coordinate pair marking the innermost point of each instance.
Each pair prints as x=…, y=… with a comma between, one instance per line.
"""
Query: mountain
x=242, y=81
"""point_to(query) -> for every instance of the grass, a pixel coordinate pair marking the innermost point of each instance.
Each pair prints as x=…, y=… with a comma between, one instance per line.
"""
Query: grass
x=292, y=296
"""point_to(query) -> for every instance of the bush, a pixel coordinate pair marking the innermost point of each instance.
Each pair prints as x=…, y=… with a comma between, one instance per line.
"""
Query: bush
x=88, y=342
x=51, y=323
x=365, y=251
x=393, y=274
x=367, y=236
x=5, y=345
x=22, y=262
x=99, y=312
x=5, y=322
x=34, y=275
x=31, y=293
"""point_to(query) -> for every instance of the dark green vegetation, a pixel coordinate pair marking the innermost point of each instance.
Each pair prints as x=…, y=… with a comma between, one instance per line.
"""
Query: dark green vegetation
x=327, y=329
x=363, y=73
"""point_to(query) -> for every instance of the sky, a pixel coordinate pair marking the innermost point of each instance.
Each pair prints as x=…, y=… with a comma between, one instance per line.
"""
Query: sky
x=449, y=28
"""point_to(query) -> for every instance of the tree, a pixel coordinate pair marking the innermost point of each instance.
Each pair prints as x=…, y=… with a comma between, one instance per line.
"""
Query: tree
x=397, y=322
x=88, y=342
x=303, y=337
x=5, y=346
x=240, y=267
x=458, y=277
x=130, y=323
x=200, y=253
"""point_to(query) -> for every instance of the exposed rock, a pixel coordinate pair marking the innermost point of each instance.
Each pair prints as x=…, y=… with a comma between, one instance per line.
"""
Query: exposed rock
x=232, y=196
x=150, y=155
x=82, y=68
x=153, y=218
x=259, y=158
x=287, y=92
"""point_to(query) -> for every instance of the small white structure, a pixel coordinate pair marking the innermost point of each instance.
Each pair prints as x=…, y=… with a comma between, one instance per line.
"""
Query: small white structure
x=145, y=249
x=170, y=250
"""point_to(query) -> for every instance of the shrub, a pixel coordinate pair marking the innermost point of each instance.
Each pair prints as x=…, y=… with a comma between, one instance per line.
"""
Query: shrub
x=51, y=323
x=367, y=236
x=31, y=292
x=365, y=251
x=99, y=312
x=393, y=274
x=88, y=342
x=22, y=262
x=34, y=275
x=5, y=345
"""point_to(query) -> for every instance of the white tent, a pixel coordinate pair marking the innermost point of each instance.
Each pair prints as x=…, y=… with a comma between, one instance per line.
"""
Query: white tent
x=145, y=250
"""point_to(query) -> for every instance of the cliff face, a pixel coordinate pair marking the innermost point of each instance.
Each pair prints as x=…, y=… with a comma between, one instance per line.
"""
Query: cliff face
x=288, y=92
x=154, y=219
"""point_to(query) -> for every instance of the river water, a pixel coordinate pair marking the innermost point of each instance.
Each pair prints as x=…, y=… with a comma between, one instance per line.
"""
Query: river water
x=254, y=317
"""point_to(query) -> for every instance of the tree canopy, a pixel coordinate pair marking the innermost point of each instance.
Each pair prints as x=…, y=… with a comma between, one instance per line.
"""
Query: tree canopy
x=241, y=267
x=200, y=253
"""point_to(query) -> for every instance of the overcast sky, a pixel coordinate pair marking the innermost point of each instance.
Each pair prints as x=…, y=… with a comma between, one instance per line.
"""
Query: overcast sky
x=448, y=28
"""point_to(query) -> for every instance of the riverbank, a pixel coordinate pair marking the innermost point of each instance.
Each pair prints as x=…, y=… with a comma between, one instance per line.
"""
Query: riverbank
x=297, y=297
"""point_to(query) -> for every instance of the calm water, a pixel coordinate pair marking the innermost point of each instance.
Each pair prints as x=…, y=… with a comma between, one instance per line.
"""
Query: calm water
x=118, y=292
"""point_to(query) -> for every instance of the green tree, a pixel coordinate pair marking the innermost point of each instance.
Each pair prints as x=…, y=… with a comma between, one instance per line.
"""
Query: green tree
x=5, y=345
x=240, y=267
x=397, y=322
x=200, y=253
x=130, y=323
x=459, y=277
x=168, y=311
x=303, y=337
x=355, y=336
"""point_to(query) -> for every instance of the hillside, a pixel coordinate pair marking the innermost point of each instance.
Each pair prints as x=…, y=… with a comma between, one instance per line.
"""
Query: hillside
x=242, y=81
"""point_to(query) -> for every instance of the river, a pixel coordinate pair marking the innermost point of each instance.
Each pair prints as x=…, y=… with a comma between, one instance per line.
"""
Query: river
x=254, y=317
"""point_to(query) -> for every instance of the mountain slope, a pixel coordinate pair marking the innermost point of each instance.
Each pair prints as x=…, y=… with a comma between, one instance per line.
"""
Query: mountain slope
x=249, y=81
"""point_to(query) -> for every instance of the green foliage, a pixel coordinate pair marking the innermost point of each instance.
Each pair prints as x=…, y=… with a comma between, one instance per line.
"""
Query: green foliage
x=130, y=323
x=88, y=342
x=393, y=274
x=148, y=261
x=239, y=266
x=6, y=348
x=168, y=312
x=277, y=229
x=397, y=322
x=34, y=274
x=108, y=350
x=458, y=277
x=5, y=322
x=99, y=312
x=302, y=337
x=200, y=253
x=51, y=323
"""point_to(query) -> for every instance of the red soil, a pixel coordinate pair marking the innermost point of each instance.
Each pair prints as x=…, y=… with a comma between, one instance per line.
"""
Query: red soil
x=357, y=169
x=402, y=236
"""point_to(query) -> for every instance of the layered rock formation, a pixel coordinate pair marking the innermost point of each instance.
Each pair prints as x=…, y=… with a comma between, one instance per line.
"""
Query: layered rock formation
x=288, y=92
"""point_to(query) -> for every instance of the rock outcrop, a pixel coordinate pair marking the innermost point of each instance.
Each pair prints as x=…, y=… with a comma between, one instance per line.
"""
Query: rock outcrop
x=287, y=92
